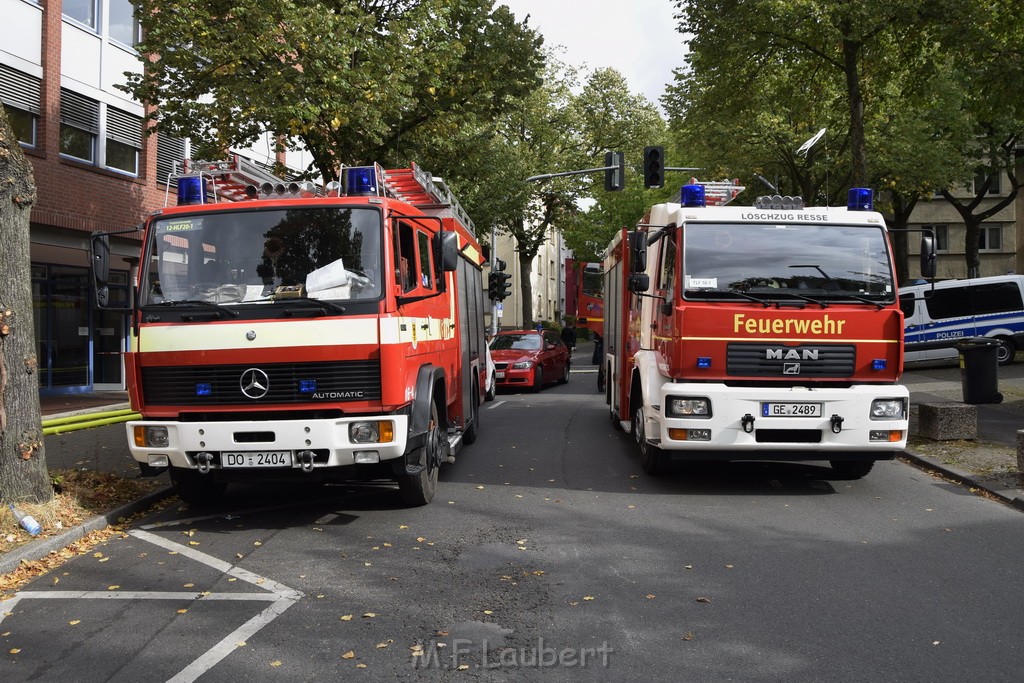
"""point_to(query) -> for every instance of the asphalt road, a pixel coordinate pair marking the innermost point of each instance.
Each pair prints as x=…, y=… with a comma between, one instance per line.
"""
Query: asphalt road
x=547, y=554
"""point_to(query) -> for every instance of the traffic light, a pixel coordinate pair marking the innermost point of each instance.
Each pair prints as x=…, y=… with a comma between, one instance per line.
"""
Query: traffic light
x=615, y=171
x=498, y=287
x=654, y=167
x=504, y=286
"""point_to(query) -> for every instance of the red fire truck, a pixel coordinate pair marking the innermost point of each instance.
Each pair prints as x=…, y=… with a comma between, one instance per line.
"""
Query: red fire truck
x=281, y=331
x=770, y=332
x=584, y=294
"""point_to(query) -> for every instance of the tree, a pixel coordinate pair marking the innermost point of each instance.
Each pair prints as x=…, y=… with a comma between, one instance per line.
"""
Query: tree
x=23, y=474
x=352, y=82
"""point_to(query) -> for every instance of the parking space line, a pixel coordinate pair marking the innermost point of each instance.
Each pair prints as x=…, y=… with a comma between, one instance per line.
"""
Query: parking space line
x=143, y=595
x=495, y=405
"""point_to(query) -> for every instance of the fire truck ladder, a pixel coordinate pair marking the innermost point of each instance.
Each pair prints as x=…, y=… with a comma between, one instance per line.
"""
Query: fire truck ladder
x=417, y=187
x=226, y=180
x=719, y=193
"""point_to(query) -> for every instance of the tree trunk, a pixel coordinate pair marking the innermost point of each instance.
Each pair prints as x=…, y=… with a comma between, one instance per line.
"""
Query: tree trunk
x=858, y=147
x=526, y=288
x=23, y=474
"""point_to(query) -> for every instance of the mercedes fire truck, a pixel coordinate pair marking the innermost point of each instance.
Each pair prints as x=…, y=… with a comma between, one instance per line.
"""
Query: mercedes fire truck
x=770, y=332
x=282, y=331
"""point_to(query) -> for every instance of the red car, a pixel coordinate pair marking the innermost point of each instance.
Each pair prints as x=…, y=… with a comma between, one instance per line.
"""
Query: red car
x=529, y=359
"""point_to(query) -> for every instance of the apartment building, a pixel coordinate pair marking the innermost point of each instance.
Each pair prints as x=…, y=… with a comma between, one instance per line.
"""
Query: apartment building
x=1000, y=240
x=94, y=169
x=547, y=281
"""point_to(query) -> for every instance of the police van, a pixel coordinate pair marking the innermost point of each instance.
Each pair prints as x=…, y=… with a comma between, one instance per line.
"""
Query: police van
x=952, y=309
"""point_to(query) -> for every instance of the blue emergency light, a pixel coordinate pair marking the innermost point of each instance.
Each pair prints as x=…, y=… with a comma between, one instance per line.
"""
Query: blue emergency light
x=860, y=199
x=190, y=190
x=692, y=195
x=361, y=181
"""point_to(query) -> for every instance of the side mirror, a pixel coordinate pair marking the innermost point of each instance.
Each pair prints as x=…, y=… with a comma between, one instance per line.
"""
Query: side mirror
x=638, y=253
x=449, y=242
x=927, y=256
x=99, y=261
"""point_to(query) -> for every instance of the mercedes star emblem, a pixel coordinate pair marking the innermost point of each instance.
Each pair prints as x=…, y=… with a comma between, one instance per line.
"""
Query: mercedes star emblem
x=254, y=383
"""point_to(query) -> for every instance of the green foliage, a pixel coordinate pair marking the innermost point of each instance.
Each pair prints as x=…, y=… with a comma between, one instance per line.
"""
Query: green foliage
x=352, y=82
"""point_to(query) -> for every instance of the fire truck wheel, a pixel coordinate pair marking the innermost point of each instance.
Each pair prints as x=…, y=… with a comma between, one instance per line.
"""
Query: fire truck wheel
x=652, y=460
x=538, y=379
x=852, y=469
x=469, y=436
x=195, y=488
x=418, y=489
x=565, y=374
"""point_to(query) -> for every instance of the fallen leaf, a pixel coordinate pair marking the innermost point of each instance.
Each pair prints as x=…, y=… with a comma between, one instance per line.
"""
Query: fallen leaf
x=650, y=596
x=257, y=543
x=320, y=597
x=728, y=566
x=349, y=655
x=381, y=646
x=420, y=539
x=113, y=588
x=346, y=617
x=487, y=611
x=360, y=666
x=182, y=611
x=276, y=662
x=436, y=633
x=104, y=559
x=240, y=643
x=588, y=597
x=688, y=636
x=193, y=542
x=416, y=648
x=15, y=650
x=76, y=622
x=479, y=487
x=189, y=585
x=703, y=599
x=403, y=527
x=369, y=615
x=463, y=667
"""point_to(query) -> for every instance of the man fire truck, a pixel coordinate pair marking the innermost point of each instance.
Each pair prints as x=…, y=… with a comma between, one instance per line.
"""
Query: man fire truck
x=281, y=333
x=770, y=332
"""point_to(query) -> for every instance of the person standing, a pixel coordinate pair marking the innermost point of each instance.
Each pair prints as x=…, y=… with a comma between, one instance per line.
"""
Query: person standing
x=569, y=336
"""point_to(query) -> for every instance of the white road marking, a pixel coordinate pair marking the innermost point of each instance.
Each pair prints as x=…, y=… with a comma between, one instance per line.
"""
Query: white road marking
x=495, y=405
x=232, y=515
x=280, y=596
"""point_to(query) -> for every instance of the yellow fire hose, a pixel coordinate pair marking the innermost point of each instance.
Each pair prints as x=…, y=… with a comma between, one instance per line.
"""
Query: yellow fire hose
x=60, y=425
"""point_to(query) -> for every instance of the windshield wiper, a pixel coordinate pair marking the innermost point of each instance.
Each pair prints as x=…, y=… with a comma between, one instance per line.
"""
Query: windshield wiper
x=178, y=303
x=751, y=297
x=303, y=300
x=802, y=297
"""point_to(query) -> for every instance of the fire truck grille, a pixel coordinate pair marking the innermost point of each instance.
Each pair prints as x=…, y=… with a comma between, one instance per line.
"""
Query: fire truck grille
x=215, y=385
x=782, y=362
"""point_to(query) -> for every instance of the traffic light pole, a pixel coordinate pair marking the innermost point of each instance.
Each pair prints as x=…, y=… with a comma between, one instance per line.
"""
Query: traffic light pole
x=494, y=262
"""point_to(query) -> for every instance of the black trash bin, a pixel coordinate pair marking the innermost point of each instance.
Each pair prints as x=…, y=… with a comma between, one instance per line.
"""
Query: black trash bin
x=979, y=371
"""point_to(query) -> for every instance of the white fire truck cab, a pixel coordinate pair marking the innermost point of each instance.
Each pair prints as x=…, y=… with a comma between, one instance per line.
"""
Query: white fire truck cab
x=280, y=331
x=770, y=332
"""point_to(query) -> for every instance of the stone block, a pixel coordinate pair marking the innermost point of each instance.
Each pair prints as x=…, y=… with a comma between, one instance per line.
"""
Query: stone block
x=948, y=421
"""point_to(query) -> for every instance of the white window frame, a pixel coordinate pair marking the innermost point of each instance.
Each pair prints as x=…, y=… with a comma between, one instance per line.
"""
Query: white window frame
x=984, y=238
x=94, y=26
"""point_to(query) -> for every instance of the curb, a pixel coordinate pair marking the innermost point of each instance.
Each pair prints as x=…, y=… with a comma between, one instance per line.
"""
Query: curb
x=37, y=551
x=1011, y=496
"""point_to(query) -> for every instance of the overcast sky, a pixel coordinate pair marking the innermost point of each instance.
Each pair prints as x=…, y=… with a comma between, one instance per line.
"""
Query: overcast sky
x=636, y=37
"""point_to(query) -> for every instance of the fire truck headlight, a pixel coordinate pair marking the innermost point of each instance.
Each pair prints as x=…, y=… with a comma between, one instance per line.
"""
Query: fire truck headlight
x=689, y=407
x=151, y=437
x=523, y=365
x=381, y=431
x=888, y=408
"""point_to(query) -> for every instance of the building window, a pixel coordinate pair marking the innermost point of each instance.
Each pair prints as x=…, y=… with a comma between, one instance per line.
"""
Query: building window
x=169, y=151
x=124, y=27
x=23, y=124
x=82, y=11
x=77, y=143
x=79, y=125
x=941, y=233
x=124, y=141
x=979, y=180
x=990, y=238
x=19, y=94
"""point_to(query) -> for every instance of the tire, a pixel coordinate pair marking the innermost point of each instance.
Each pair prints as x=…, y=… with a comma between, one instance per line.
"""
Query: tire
x=564, y=379
x=418, y=489
x=490, y=393
x=538, y=379
x=1006, y=351
x=851, y=469
x=652, y=459
x=600, y=378
x=195, y=488
x=469, y=436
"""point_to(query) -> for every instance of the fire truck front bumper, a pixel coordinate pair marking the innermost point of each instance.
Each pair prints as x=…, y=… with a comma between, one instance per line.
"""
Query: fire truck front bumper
x=309, y=445
x=805, y=423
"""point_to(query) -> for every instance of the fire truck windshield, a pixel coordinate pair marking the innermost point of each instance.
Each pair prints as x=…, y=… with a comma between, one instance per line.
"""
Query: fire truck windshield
x=823, y=262
x=240, y=257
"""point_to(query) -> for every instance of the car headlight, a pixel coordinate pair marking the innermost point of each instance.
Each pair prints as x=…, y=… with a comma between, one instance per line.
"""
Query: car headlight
x=149, y=436
x=380, y=431
x=523, y=365
x=689, y=407
x=888, y=408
